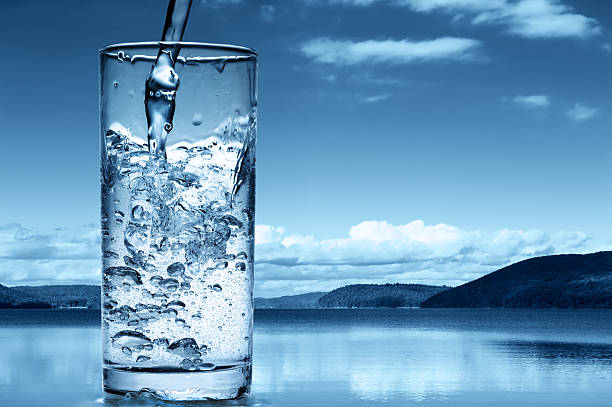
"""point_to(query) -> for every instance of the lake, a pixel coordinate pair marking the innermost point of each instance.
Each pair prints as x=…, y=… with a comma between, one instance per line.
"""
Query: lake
x=346, y=357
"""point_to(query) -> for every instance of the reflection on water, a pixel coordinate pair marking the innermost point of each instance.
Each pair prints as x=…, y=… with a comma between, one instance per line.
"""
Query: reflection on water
x=349, y=357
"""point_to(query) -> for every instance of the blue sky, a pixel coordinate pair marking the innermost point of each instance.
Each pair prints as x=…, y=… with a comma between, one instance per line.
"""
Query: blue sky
x=398, y=140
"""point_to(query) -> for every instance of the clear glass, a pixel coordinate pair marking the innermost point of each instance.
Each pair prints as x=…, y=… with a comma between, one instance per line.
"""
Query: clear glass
x=177, y=231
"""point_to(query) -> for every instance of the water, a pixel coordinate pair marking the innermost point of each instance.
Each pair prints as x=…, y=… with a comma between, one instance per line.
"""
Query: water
x=401, y=357
x=163, y=81
x=177, y=253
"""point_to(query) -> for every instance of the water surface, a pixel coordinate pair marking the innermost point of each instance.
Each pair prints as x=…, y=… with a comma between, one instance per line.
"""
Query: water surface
x=391, y=357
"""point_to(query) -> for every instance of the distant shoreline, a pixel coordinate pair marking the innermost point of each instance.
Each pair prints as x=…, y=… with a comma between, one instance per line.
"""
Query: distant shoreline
x=559, y=281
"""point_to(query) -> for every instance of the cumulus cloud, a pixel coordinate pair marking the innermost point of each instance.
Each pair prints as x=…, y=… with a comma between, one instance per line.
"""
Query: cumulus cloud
x=346, y=52
x=62, y=255
x=532, y=101
x=375, y=98
x=378, y=251
x=267, y=12
x=290, y=263
x=581, y=112
x=526, y=18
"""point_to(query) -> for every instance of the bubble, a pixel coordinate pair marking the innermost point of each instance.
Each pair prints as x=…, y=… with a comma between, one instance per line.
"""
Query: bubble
x=187, y=364
x=175, y=269
x=142, y=358
x=127, y=351
x=116, y=84
x=156, y=279
x=241, y=256
x=176, y=303
x=170, y=284
x=186, y=347
x=197, y=119
x=125, y=274
x=130, y=338
x=169, y=313
x=163, y=342
x=140, y=215
x=240, y=266
x=207, y=366
x=109, y=254
x=216, y=287
x=122, y=313
x=180, y=322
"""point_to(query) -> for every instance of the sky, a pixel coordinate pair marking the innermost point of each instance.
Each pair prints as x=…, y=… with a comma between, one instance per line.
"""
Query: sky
x=425, y=141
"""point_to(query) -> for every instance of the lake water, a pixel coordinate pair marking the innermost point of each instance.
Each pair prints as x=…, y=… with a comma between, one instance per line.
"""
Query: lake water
x=375, y=357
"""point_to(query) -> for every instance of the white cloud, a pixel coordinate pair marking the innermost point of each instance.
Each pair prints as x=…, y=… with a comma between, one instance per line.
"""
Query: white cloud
x=375, y=98
x=581, y=112
x=371, y=252
x=345, y=52
x=526, y=18
x=606, y=47
x=267, y=234
x=267, y=12
x=541, y=19
x=532, y=101
x=378, y=251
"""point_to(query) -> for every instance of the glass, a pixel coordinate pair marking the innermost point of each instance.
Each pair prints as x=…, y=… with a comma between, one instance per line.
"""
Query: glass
x=178, y=228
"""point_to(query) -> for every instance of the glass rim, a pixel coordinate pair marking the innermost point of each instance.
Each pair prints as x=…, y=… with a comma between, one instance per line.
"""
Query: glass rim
x=238, y=49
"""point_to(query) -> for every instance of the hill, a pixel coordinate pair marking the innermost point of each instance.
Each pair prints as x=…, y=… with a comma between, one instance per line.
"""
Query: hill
x=375, y=295
x=50, y=296
x=301, y=301
x=560, y=281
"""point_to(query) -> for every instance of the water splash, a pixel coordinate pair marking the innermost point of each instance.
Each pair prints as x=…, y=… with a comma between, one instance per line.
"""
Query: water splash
x=163, y=81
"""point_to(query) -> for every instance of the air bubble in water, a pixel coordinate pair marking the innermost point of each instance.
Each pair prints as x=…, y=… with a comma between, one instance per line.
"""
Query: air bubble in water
x=186, y=347
x=216, y=287
x=176, y=269
x=170, y=284
x=197, y=119
x=130, y=338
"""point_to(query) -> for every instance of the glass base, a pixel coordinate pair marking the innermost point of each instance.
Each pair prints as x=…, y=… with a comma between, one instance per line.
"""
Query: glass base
x=220, y=384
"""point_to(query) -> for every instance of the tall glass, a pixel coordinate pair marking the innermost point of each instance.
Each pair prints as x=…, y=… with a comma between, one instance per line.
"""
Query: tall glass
x=178, y=228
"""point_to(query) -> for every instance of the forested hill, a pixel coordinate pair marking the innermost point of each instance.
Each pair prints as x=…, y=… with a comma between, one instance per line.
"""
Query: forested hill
x=50, y=296
x=300, y=301
x=379, y=295
x=560, y=281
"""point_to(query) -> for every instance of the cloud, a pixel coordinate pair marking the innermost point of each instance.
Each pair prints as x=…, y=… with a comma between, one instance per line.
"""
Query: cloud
x=606, y=47
x=532, y=101
x=267, y=12
x=375, y=98
x=525, y=18
x=20, y=243
x=346, y=52
x=540, y=19
x=63, y=255
x=378, y=251
x=581, y=112
x=373, y=251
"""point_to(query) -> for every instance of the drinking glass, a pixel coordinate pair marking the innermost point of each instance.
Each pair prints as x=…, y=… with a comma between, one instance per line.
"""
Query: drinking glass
x=178, y=227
